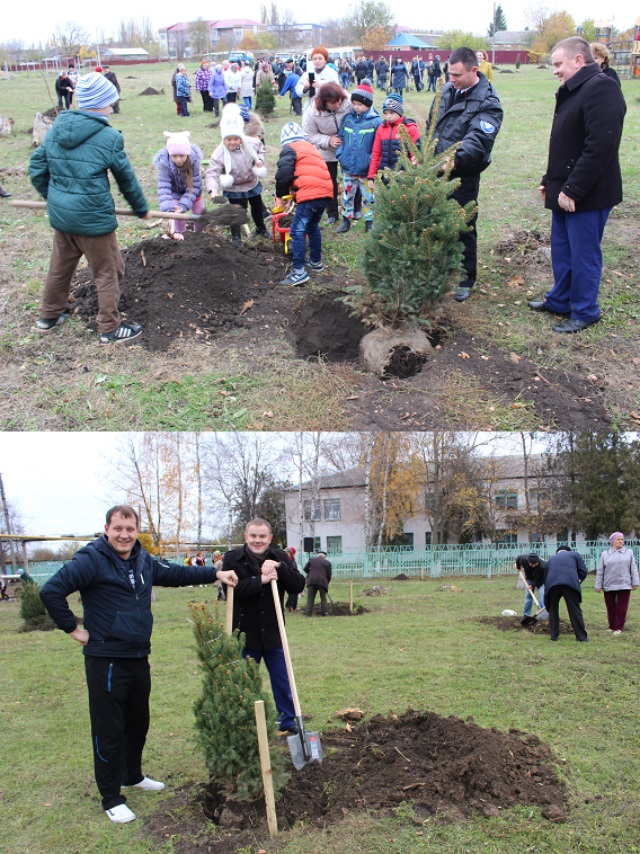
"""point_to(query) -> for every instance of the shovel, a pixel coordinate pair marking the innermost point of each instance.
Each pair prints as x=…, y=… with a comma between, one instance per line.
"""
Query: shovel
x=305, y=746
x=529, y=621
x=221, y=215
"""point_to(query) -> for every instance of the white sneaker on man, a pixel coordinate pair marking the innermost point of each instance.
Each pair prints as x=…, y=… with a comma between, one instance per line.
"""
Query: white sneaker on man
x=148, y=785
x=120, y=814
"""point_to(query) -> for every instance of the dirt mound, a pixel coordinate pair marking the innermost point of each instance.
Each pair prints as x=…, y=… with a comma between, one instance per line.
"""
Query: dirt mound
x=149, y=91
x=509, y=624
x=445, y=766
x=401, y=577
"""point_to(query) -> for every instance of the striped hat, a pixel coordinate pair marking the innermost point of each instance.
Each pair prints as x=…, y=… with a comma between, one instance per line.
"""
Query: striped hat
x=364, y=93
x=394, y=103
x=290, y=132
x=93, y=92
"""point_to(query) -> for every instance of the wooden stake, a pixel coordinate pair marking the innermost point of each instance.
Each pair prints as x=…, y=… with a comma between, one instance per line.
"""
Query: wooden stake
x=265, y=765
x=351, y=596
x=228, y=623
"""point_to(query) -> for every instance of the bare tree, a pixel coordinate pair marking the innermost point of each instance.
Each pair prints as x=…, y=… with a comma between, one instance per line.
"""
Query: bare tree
x=199, y=37
x=70, y=37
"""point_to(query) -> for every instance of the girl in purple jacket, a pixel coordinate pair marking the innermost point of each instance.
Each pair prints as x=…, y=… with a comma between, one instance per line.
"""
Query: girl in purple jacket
x=179, y=181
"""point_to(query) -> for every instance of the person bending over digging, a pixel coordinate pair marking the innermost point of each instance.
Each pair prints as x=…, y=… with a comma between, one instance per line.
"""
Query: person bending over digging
x=115, y=578
x=71, y=171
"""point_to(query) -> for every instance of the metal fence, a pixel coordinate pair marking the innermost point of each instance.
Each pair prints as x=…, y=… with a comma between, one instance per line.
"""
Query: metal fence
x=428, y=562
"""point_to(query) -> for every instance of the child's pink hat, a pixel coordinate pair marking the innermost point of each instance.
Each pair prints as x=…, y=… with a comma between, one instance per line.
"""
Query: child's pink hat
x=178, y=143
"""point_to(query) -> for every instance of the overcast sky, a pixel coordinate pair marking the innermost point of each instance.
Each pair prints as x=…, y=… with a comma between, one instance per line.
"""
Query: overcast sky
x=32, y=23
x=57, y=481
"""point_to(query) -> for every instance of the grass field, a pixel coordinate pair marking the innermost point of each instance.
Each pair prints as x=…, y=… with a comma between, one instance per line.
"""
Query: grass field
x=67, y=382
x=419, y=647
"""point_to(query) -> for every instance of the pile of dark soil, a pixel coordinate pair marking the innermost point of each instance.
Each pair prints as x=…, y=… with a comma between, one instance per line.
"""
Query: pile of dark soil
x=509, y=624
x=150, y=91
x=444, y=766
x=204, y=289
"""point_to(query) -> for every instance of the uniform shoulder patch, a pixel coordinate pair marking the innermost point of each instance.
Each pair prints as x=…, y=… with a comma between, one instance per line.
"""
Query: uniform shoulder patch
x=487, y=127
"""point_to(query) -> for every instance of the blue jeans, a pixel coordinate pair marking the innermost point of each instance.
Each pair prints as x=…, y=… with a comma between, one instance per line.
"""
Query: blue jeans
x=344, y=79
x=247, y=101
x=576, y=258
x=184, y=109
x=528, y=600
x=306, y=221
x=277, y=667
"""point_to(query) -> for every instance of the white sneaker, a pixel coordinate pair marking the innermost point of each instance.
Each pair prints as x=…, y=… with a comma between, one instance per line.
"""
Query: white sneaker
x=120, y=814
x=148, y=785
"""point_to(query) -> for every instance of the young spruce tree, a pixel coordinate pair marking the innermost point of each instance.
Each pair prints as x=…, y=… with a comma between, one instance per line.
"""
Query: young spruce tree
x=413, y=256
x=265, y=99
x=225, y=712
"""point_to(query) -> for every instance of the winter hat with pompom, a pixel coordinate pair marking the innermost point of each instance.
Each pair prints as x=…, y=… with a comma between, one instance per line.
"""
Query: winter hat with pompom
x=290, y=132
x=394, y=103
x=178, y=143
x=94, y=92
x=364, y=93
x=232, y=124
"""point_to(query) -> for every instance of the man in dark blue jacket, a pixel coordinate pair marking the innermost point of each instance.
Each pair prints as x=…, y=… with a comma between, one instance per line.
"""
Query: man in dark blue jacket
x=582, y=182
x=115, y=577
x=470, y=115
x=566, y=571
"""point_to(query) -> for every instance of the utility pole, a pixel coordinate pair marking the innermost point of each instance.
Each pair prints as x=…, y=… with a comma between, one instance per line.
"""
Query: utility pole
x=7, y=522
x=493, y=37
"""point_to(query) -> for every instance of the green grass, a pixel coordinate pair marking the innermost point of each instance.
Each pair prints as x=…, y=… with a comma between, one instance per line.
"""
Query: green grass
x=66, y=397
x=419, y=647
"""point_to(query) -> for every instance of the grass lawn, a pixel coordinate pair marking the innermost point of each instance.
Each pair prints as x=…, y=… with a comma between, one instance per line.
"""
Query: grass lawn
x=67, y=382
x=418, y=647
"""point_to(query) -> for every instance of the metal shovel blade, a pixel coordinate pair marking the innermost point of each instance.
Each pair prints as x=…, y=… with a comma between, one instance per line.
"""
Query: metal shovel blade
x=305, y=747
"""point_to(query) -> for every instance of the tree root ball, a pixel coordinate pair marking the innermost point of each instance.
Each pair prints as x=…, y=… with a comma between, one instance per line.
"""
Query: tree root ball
x=395, y=352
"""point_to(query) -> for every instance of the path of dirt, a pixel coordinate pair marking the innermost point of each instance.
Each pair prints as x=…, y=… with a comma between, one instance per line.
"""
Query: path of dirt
x=446, y=767
x=206, y=290
x=514, y=624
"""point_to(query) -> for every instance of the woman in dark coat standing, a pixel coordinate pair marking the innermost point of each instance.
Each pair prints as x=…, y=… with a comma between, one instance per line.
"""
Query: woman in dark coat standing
x=565, y=574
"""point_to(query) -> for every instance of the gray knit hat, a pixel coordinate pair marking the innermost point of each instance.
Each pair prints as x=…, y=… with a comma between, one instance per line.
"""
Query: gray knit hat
x=93, y=92
x=290, y=132
x=395, y=103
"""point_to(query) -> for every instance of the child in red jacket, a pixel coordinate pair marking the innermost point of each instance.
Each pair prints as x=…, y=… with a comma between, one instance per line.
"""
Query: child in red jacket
x=302, y=173
x=386, y=143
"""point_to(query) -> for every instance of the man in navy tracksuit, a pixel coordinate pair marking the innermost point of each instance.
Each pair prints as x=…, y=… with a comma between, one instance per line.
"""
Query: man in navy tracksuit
x=115, y=577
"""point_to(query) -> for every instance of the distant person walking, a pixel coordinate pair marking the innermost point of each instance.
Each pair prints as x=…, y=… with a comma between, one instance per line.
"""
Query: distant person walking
x=318, y=572
x=616, y=576
x=111, y=77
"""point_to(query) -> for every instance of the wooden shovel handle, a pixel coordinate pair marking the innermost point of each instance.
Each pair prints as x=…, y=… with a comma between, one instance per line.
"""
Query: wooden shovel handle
x=285, y=646
x=229, y=612
x=42, y=206
x=527, y=587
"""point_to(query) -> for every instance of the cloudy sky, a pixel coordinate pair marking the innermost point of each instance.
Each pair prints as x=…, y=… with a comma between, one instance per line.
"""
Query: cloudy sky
x=19, y=21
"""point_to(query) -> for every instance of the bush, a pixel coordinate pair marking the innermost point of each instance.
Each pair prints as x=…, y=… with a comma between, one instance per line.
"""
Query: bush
x=414, y=255
x=225, y=712
x=265, y=99
x=32, y=609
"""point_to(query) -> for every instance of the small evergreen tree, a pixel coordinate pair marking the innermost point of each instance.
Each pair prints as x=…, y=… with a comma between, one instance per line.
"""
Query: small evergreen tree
x=499, y=23
x=265, y=99
x=225, y=712
x=32, y=609
x=414, y=255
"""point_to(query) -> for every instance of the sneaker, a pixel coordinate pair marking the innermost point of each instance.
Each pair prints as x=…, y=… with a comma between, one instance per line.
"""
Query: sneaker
x=148, y=785
x=290, y=729
x=357, y=215
x=618, y=632
x=120, y=814
x=237, y=241
x=124, y=332
x=462, y=294
x=368, y=225
x=262, y=232
x=294, y=278
x=47, y=324
x=318, y=266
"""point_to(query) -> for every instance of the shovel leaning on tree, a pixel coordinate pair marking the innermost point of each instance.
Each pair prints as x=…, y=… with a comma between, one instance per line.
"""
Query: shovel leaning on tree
x=541, y=612
x=226, y=214
x=304, y=746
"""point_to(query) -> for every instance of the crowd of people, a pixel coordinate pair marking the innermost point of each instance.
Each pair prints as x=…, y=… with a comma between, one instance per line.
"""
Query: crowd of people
x=339, y=128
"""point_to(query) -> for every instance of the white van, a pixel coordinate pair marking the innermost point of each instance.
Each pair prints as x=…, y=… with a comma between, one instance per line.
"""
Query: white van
x=336, y=54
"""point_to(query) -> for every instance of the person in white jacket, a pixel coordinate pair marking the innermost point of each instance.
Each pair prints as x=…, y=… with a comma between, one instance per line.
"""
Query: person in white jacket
x=235, y=168
x=246, y=84
x=616, y=576
x=314, y=78
x=233, y=81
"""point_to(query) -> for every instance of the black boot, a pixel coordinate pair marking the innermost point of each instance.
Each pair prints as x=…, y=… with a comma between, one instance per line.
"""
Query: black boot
x=344, y=227
x=368, y=225
x=4, y=194
x=235, y=236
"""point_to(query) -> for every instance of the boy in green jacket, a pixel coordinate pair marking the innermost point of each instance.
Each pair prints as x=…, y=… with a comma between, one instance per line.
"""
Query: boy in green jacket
x=70, y=170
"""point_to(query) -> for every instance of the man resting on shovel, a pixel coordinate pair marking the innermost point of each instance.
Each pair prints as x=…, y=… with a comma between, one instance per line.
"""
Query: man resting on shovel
x=254, y=611
x=535, y=573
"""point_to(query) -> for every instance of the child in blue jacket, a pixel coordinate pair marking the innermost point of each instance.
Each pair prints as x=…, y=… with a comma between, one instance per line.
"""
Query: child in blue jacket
x=357, y=133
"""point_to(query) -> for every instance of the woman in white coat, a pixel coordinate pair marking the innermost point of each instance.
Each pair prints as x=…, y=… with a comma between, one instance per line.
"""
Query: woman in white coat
x=616, y=577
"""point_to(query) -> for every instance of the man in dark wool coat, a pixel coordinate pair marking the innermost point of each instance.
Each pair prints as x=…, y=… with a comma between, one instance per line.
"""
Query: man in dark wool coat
x=582, y=182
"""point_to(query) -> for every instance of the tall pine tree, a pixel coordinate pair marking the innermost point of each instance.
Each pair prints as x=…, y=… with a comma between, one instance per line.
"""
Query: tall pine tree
x=499, y=23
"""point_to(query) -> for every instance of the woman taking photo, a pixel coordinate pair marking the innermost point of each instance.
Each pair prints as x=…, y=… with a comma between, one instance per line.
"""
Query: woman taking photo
x=616, y=577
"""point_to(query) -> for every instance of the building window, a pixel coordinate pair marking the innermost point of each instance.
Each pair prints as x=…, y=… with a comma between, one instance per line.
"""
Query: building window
x=332, y=510
x=307, y=510
x=428, y=538
x=430, y=501
x=507, y=500
x=407, y=540
x=562, y=537
x=334, y=545
x=506, y=538
x=534, y=499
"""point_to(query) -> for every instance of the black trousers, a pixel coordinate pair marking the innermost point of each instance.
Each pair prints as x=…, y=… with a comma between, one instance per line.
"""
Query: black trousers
x=571, y=597
x=255, y=203
x=119, y=691
x=468, y=192
x=207, y=101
